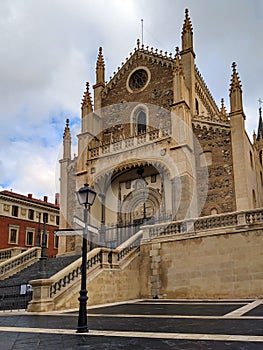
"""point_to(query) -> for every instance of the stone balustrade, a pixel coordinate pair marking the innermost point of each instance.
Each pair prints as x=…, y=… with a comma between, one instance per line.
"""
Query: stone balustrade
x=18, y=262
x=191, y=226
x=10, y=252
x=46, y=291
x=116, y=146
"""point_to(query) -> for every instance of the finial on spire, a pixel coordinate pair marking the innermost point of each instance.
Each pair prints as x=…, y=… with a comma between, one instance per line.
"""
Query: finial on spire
x=138, y=44
x=67, y=129
x=100, y=68
x=86, y=101
x=187, y=33
x=235, y=81
x=236, y=104
x=223, y=110
x=187, y=27
x=67, y=141
x=178, y=68
x=260, y=123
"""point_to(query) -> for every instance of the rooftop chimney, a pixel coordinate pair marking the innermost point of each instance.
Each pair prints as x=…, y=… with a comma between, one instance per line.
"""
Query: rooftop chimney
x=57, y=198
x=45, y=198
x=30, y=195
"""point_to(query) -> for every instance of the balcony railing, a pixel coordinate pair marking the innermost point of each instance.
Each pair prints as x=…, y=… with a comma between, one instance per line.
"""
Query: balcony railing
x=120, y=145
x=206, y=223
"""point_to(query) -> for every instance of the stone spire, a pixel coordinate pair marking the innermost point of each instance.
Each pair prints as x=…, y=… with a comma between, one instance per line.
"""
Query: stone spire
x=86, y=105
x=100, y=68
x=178, y=68
x=178, y=78
x=236, y=103
x=260, y=125
x=67, y=142
x=223, y=111
x=187, y=34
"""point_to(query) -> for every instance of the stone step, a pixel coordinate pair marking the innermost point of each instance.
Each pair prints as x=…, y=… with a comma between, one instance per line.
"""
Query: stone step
x=10, y=288
x=53, y=265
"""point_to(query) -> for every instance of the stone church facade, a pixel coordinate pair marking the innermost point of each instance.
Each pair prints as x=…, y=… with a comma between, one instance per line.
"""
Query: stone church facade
x=156, y=147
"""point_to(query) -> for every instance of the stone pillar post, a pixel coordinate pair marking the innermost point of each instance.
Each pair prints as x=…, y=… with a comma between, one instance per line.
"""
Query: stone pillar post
x=41, y=296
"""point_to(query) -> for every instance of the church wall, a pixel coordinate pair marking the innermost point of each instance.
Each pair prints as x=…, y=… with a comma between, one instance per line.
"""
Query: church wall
x=158, y=92
x=215, y=142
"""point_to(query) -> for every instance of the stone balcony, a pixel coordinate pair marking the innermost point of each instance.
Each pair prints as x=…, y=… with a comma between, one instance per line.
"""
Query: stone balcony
x=123, y=144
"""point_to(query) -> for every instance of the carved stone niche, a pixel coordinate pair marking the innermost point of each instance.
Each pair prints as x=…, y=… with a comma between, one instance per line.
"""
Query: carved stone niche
x=6, y=207
x=23, y=212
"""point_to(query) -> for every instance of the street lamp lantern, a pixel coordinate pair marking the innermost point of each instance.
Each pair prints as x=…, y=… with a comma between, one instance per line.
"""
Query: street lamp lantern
x=86, y=197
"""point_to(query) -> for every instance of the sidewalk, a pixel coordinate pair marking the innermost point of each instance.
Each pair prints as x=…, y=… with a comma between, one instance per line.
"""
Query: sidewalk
x=154, y=324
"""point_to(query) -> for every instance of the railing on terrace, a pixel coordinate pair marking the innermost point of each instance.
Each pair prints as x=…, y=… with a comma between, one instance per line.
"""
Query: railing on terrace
x=204, y=223
x=208, y=222
x=17, y=263
x=136, y=140
x=254, y=216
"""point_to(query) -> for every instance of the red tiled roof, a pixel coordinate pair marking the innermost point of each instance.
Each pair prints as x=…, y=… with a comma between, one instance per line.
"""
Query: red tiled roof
x=29, y=198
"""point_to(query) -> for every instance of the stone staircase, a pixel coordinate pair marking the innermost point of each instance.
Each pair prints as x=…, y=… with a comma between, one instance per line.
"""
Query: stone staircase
x=13, y=296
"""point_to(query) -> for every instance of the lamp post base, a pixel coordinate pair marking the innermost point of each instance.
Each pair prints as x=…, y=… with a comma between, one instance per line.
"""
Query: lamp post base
x=82, y=330
x=83, y=319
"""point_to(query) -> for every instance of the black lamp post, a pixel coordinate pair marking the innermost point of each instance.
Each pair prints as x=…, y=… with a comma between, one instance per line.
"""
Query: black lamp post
x=39, y=230
x=86, y=197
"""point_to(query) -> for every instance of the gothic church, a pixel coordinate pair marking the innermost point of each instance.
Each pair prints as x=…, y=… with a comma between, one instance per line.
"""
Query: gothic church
x=156, y=148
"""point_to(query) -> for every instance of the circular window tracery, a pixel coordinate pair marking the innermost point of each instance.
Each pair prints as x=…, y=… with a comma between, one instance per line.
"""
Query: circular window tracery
x=138, y=79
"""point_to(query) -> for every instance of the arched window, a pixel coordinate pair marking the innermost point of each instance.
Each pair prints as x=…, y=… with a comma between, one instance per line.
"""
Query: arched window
x=141, y=122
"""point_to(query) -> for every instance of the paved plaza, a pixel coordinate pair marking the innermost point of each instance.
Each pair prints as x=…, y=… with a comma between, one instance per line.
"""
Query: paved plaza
x=142, y=324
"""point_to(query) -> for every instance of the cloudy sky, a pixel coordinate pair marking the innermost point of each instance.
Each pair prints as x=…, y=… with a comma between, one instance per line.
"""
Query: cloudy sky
x=48, y=50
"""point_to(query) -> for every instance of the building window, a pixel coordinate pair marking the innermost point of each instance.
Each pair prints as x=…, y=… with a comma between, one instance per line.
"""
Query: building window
x=260, y=157
x=30, y=214
x=57, y=220
x=56, y=238
x=138, y=79
x=45, y=217
x=47, y=239
x=15, y=210
x=141, y=123
x=13, y=235
x=30, y=237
